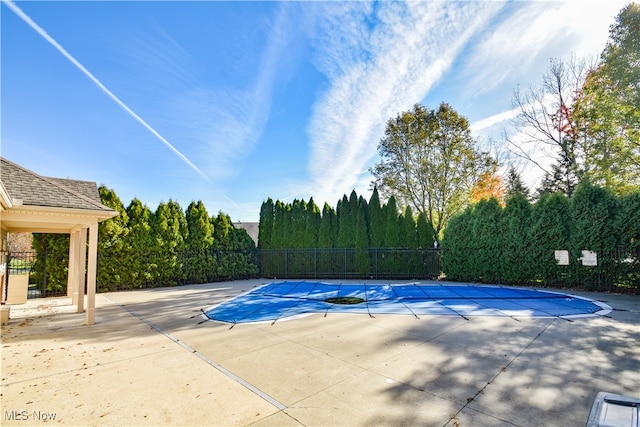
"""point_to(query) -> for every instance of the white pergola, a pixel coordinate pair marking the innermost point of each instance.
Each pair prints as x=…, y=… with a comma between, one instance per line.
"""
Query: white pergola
x=68, y=207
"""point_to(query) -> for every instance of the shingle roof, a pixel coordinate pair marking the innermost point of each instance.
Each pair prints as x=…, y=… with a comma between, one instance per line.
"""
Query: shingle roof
x=37, y=190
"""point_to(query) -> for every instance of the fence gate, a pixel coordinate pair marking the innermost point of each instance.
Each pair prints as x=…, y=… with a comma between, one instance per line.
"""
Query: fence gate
x=25, y=275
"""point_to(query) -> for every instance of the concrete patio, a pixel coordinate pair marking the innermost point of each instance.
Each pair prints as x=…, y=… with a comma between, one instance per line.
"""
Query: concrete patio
x=148, y=361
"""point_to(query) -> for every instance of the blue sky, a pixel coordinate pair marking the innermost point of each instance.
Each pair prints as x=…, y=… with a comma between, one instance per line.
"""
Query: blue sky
x=234, y=102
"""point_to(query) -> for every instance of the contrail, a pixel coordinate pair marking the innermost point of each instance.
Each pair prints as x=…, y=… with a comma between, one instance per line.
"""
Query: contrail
x=11, y=5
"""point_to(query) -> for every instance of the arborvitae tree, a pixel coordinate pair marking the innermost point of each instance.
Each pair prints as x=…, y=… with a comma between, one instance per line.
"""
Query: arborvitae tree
x=200, y=227
x=514, y=238
x=143, y=246
x=392, y=229
x=327, y=236
x=593, y=215
x=346, y=224
x=409, y=240
x=279, y=237
x=391, y=262
x=222, y=228
x=112, y=243
x=298, y=223
x=426, y=233
x=362, y=239
x=312, y=225
x=238, y=262
x=515, y=185
x=627, y=221
x=170, y=228
x=199, y=264
x=297, y=262
x=627, y=224
x=550, y=231
x=430, y=260
x=457, y=262
x=408, y=233
x=327, y=239
x=287, y=226
x=232, y=246
x=265, y=226
x=377, y=221
x=486, y=238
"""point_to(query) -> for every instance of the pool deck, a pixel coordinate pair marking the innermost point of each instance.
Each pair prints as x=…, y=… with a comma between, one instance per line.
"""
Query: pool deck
x=148, y=361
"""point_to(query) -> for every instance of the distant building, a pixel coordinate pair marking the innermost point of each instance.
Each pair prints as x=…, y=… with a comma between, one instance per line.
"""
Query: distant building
x=251, y=227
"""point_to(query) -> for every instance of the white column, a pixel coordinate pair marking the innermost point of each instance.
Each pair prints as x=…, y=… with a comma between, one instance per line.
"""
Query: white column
x=92, y=270
x=71, y=273
x=80, y=268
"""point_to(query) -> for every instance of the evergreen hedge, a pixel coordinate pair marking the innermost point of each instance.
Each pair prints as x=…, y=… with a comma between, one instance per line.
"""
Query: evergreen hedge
x=356, y=239
x=516, y=244
x=141, y=249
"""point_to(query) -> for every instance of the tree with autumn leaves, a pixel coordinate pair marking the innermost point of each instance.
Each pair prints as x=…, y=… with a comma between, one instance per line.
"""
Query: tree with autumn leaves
x=586, y=116
x=430, y=161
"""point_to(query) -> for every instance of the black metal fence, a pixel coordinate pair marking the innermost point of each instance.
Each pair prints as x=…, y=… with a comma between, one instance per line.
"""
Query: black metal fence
x=39, y=278
x=47, y=273
x=350, y=263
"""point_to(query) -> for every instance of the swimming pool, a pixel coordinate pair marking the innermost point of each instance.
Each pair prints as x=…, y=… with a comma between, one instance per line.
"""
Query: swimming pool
x=284, y=300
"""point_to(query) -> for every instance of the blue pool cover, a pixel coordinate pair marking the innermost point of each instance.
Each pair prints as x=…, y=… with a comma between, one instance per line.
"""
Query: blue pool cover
x=281, y=300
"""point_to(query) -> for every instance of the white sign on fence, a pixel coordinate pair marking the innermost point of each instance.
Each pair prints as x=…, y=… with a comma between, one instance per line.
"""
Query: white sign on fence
x=589, y=258
x=562, y=257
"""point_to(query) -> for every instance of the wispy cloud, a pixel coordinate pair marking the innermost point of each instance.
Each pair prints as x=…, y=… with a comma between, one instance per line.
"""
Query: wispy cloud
x=20, y=13
x=219, y=121
x=380, y=60
x=526, y=34
x=516, y=46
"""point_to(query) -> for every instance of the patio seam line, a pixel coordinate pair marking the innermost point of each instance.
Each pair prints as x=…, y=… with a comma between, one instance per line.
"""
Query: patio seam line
x=205, y=359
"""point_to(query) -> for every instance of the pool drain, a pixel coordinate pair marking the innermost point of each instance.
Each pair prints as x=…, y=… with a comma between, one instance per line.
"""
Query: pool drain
x=344, y=300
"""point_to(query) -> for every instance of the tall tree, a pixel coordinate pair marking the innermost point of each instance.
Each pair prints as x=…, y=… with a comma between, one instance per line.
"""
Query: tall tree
x=429, y=161
x=346, y=223
x=487, y=240
x=312, y=225
x=458, y=253
x=391, y=263
x=550, y=230
x=408, y=233
x=170, y=228
x=265, y=226
x=392, y=226
x=489, y=185
x=514, y=240
x=425, y=231
x=362, y=238
x=327, y=236
x=143, y=245
x=112, y=242
x=593, y=215
x=376, y=221
x=199, y=265
x=515, y=185
x=609, y=107
x=547, y=124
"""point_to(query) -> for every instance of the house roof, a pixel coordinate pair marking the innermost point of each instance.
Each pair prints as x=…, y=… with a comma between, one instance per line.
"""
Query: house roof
x=250, y=227
x=30, y=189
x=39, y=204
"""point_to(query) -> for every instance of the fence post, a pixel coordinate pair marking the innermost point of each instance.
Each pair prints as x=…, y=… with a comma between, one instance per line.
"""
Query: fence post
x=5, y=285
x=44, y=274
